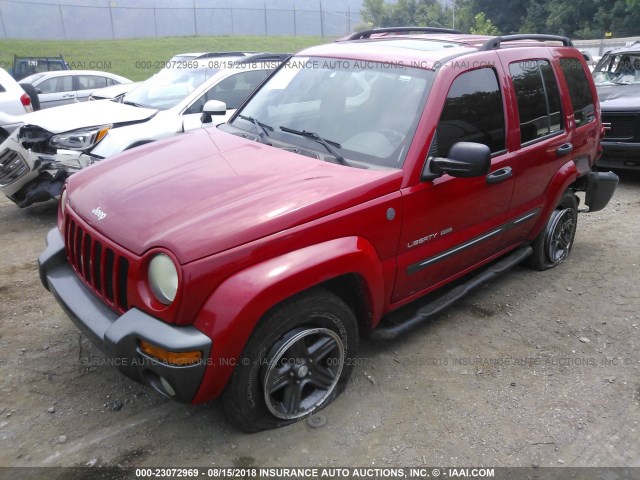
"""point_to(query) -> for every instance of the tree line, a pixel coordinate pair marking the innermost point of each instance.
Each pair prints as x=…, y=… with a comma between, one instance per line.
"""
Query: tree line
x=572, y=18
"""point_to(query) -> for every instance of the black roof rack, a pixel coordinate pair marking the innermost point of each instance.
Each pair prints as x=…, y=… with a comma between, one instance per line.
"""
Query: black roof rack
x=221, y=54
x=367, y=33
x=494, y=43
x=265, y=57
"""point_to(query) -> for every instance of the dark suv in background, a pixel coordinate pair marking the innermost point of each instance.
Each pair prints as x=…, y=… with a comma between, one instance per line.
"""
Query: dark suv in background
x=617, y=78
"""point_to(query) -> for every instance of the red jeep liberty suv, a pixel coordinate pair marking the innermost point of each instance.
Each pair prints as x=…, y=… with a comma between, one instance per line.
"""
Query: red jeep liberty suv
x=247, y=259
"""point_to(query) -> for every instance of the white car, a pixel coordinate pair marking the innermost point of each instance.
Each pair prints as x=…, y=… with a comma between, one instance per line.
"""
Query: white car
x=58, y=142
x=70, y=86
x=14, y=103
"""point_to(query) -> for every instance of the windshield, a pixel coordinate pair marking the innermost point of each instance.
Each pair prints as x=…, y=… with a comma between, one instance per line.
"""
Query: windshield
x=170, y=85
x=618, y=69
x=366, y=111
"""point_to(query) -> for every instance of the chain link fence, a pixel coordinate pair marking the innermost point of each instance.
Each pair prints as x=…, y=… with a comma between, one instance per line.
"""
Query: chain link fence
x=119, y=19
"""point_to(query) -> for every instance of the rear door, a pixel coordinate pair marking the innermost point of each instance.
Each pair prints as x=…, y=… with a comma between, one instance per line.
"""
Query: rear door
x=452, y=224
x=85, y=84
x=542, y=136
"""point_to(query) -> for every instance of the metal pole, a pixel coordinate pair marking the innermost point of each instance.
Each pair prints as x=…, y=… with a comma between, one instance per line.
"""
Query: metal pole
x=155, y=21
x=113, y=33
x=4, y=26
x=453, y=26
x=321, y=20
x=64, y=30
x=195, y=20
x=266, y=26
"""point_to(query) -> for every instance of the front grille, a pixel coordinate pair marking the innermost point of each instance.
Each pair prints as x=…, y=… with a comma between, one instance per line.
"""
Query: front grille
x=102, y=268
x=12, y=167
x=619, y=126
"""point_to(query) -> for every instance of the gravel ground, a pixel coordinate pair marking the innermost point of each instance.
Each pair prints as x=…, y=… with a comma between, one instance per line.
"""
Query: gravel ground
x=537, y=368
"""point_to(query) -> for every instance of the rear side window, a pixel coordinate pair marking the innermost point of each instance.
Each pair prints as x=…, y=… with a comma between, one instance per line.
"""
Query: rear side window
x=579, y=91
x=473, y=112
x=88, y=82
x=538, y=99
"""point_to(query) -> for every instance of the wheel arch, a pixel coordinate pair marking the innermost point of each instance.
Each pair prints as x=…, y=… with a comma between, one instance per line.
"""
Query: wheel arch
x=347, y=267
x=565, y=178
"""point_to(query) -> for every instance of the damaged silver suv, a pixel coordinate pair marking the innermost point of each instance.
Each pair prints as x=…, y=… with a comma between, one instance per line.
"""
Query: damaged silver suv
x=36, y=159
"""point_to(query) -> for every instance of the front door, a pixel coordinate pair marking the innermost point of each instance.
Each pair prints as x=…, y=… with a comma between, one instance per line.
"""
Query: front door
x=450, y=224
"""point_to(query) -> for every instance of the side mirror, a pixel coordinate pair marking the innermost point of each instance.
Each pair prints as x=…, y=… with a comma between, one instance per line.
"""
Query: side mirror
x=213, y=107
x=465, y=160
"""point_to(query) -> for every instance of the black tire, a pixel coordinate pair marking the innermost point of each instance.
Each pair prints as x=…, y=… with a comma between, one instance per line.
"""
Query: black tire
x=553, y=244
x=277, y=354
x=33, y=95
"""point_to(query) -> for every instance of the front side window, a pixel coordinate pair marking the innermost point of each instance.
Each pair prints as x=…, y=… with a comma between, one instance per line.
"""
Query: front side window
x=56, y=85
x=367, y=111
x=473, y=112
x=538, y=99
x=232, y=90
x=579, y=90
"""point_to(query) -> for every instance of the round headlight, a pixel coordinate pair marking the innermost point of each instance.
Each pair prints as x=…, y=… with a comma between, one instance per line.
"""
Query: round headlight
x=163, y=278
x=63, y=201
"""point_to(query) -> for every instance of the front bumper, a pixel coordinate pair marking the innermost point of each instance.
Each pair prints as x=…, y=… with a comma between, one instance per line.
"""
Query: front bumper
x=622, y=155
x=118, y=336
x=40, y=177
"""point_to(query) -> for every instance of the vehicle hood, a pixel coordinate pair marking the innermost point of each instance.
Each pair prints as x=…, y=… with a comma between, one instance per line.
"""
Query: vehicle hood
x=87, y=114
x=208, y=191
x=619, y=97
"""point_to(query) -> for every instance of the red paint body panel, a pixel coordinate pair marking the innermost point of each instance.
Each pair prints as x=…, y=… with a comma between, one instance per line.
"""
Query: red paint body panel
x=231, y=313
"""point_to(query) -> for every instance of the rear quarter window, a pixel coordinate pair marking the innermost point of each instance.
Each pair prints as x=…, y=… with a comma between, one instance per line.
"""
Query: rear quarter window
x=579, y=90
x=538, y=99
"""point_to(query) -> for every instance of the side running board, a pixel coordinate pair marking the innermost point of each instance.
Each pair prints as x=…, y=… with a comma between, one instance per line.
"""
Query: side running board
x=439, y=304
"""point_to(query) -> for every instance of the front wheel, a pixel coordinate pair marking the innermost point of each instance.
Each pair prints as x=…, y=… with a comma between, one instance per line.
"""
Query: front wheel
x=552, y=246
x=294, y=364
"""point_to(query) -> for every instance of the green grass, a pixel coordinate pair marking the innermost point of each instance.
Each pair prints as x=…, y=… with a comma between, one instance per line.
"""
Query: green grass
x=138, y=59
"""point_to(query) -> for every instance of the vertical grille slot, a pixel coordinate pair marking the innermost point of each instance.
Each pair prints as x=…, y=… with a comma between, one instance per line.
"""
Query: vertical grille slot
x=123, y=271
x=96, y=260
x=86, y=258
x=100, y=267
x=108, y=275
x=77, y=249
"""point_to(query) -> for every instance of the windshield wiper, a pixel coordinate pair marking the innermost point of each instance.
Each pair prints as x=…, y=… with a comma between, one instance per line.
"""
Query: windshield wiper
x=261, y=127
x=328, y=144
x=128, y=102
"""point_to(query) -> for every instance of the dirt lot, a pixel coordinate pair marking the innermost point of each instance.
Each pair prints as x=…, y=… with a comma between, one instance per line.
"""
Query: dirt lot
x=534, y=369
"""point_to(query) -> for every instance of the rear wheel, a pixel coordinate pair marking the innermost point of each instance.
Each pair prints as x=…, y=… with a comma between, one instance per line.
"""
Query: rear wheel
x=294, y=364
x=553, y=245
